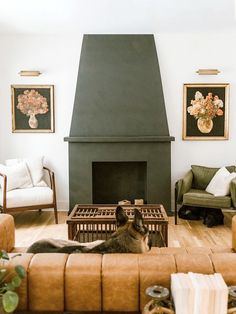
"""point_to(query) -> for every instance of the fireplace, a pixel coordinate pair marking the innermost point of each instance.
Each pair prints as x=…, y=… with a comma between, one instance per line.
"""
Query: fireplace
x=119, y=143
x=154, y=154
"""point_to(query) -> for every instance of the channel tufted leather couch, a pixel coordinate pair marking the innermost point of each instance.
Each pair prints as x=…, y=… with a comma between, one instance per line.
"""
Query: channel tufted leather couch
x=108, y=283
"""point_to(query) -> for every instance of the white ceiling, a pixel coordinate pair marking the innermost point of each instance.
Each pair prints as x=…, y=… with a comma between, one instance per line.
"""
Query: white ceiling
x=115, y=16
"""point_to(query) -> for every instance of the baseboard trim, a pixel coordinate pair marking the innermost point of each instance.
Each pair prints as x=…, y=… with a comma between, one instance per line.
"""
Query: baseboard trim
x=63, y=205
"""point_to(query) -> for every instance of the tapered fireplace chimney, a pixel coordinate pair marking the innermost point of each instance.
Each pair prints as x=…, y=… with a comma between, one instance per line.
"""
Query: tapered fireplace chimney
x=119, y=117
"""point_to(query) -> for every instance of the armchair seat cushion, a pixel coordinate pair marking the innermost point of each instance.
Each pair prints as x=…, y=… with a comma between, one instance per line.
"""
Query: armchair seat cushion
x=28, y=197
x=204, y=199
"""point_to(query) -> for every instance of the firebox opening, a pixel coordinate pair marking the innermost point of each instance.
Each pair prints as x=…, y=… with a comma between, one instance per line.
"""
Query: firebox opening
x=115, y=181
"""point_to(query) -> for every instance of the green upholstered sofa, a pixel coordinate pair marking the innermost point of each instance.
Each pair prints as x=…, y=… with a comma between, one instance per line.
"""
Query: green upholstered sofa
x=190, y=190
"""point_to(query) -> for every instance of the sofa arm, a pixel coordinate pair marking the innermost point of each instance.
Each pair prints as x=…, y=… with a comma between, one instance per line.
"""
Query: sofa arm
x=233, y=191
x=234, y=233
x=183, y=185
x=7, y=232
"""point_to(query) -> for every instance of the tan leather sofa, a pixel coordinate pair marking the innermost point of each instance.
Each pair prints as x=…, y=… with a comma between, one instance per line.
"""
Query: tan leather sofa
x=110, y=282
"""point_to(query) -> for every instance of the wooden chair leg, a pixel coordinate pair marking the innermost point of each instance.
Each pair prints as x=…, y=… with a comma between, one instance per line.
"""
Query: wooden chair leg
x=54, y=196
x=55, y=214
x=40, y=211
x=176, y=213
x=176, y=209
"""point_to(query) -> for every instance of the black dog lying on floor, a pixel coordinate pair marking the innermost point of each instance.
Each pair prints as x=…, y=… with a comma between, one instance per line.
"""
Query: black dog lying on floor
x=130, y=237
x=211, y=216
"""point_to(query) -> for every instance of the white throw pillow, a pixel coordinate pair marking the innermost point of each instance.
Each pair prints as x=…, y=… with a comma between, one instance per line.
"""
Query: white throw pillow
x=35, y=165
x=220, y=183
x=18, y=176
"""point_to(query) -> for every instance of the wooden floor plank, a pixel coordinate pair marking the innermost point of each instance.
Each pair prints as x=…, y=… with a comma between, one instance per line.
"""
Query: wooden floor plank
x=32, y=226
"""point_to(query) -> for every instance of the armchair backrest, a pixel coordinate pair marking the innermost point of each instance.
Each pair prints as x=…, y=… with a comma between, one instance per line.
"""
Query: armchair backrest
x=203, y=175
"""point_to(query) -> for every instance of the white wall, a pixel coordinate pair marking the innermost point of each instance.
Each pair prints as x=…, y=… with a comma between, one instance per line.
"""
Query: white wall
x=58, y=60
x=180, y=55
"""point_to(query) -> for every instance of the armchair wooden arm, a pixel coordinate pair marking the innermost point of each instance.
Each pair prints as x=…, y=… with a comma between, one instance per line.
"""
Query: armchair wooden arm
x=4, y=192
x=51, y=176
x=53, y=187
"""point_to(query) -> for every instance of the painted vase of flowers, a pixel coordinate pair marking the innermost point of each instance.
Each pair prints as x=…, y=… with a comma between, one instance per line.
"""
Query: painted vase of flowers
x=33, y=121
x=32, y=103
x=205, y=110
x=205, y=125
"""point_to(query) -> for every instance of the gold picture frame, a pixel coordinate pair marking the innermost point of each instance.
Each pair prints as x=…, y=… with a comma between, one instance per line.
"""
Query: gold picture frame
x=205, y=111
x=32, y=108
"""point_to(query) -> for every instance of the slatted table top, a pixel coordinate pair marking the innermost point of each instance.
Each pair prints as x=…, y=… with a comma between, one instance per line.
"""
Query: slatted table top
x=106, y=212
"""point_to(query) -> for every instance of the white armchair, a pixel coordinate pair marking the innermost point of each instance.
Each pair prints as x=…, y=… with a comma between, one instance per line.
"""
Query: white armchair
x=30, y=198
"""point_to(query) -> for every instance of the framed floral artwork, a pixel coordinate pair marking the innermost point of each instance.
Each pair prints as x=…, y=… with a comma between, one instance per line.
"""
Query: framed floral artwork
x=205, y=111
x=32, y=108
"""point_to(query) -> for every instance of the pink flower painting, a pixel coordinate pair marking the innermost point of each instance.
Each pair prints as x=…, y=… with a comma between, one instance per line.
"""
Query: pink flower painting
x=32, y=103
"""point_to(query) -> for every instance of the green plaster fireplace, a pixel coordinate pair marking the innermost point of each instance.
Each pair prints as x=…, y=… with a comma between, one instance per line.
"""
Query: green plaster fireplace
x=119, y=119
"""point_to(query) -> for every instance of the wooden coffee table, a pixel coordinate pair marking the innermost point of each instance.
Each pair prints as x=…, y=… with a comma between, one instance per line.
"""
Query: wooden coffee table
x=90, y=222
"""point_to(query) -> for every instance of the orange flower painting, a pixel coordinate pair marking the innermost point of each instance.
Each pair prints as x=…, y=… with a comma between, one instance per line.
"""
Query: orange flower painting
x=205, y=109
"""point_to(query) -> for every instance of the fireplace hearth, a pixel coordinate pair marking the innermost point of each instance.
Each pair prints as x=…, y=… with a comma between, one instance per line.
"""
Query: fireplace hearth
x=119, y=143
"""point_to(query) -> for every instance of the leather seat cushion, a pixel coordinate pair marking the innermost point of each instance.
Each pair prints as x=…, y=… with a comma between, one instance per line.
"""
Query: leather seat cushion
x=154, y=271
x=83, y=281
x=28, y=197
x=203, y=199
x=46, y=281
x=225, y=263
x=198, y=263
x=120, y=282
